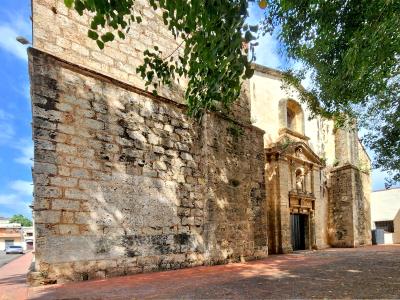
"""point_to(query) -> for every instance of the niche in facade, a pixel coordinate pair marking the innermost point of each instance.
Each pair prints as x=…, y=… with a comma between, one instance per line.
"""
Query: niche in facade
x=291, y=115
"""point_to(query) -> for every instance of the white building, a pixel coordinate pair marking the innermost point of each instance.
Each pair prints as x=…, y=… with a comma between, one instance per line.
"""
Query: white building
x=385, y=213
x=15, y=234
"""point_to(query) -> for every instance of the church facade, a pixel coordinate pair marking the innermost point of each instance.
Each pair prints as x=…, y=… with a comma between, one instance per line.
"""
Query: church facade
x=125, y=182
x=317, y=177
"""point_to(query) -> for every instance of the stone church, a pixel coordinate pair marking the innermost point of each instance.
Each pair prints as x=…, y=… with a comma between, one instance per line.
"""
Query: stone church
x=125, y=182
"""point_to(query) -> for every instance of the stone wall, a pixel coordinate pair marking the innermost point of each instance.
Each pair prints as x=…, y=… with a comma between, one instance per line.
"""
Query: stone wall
x=396, y=225
x=67, y=38
x=341, y=207
x=349, y=207
x=125, y=182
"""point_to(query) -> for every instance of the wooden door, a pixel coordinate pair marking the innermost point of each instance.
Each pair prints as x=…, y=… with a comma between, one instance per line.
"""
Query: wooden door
x=298, y=231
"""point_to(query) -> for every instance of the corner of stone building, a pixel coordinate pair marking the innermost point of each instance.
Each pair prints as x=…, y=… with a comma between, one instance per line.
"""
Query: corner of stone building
x=103, y=148
x=349, y=208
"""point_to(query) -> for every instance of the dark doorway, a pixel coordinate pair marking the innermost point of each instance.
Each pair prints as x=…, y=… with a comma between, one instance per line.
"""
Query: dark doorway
x=298, y=224
x=29, y=245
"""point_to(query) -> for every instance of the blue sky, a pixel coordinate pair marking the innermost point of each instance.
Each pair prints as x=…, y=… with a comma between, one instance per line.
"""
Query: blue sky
x=16, y=148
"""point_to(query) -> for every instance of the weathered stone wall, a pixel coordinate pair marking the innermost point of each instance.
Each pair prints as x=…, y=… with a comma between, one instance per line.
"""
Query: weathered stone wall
x=346, y=147
x=63, y=33
x=363, y=206
x=396, y=225
x=321, y=210
x=126, y=183
x=364, y=189
x=341, y=207
x=349, y=207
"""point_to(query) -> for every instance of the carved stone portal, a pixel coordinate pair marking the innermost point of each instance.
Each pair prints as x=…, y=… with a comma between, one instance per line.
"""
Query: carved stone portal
x=294, y=174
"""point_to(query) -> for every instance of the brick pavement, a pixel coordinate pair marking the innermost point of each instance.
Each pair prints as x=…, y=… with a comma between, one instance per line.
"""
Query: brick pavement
x=369, y=272
x=13, y=278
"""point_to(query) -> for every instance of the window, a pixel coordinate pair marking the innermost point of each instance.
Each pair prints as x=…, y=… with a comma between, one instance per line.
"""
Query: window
x=385, y=225
x=291, y=115
x=9, y=243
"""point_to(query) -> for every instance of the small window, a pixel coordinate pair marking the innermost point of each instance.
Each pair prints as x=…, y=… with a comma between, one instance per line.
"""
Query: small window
x=291, y=115
x=290, y=119
x=387, y=226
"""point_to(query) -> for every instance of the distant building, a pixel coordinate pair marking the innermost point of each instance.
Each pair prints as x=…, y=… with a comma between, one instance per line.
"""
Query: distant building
x=15, y=234
x=28, y=236
x=385, y=213
x=4, y=220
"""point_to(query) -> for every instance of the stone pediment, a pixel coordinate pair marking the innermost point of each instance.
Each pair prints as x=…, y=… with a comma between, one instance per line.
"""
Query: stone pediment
x=299, y=151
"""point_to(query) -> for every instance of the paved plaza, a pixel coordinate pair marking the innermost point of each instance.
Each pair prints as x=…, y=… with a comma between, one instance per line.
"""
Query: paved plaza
x=368, y=272
x=6, y=258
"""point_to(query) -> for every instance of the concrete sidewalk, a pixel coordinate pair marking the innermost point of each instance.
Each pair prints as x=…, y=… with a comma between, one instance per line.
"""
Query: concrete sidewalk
x=13, y=278
x=368, y=272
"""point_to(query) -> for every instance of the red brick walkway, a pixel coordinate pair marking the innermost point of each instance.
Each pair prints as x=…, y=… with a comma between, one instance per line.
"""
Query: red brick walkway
x=13, y=278
x=369, y=272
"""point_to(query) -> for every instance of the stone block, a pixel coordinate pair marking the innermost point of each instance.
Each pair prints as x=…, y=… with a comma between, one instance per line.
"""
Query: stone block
x=45, y=168
x=80, y=173
x=76, y=194
x=67, y=217
x=63, y=181
x=47, y=216
x=47, y=191
x=62, y=204
x=83, y=218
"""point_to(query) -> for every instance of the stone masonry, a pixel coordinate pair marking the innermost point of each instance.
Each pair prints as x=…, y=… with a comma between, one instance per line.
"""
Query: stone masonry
x=126, y=183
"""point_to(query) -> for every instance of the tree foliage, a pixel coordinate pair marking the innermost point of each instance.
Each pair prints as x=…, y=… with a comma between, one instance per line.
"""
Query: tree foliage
x=24, y=221
x=352, y=51
x=211, y=33
x=350, y=48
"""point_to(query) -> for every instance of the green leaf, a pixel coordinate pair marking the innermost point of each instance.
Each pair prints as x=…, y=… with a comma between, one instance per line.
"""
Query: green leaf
x=79, y=7
x=93, y=35
x=121, y=34
x=253, y=28
x=248, y=36
x=100, y=44
x=107, y=37
x=69, y=3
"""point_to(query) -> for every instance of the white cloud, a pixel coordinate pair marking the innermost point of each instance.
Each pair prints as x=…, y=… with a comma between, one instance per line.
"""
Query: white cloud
x=14, y=204
x=10, y=44
x=8, y=199
x=22, y=187
x=6, y=129
x=26, y=92
x=26, y=152
x=267, y=53
x=6, y=132
x=17, y=26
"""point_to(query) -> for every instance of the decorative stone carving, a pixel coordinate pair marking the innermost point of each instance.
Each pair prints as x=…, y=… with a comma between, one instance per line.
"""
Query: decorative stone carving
x=300, y=179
